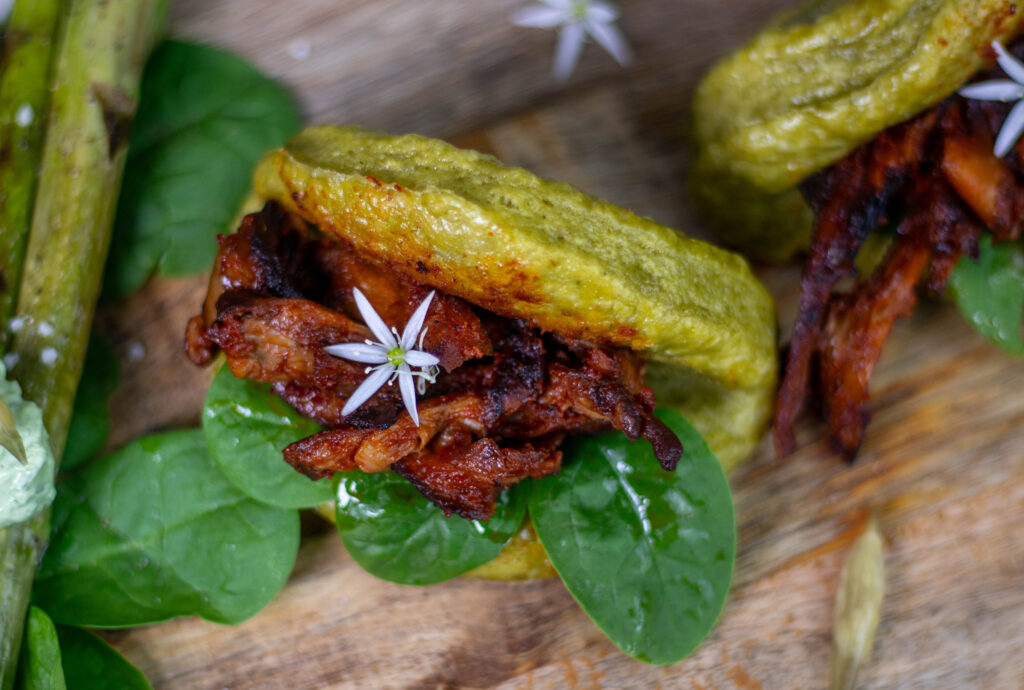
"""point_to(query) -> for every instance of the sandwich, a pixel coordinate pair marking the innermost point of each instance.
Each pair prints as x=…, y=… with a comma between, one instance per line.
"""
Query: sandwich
x=457, y=327
x=537, y=310
x=845, y=129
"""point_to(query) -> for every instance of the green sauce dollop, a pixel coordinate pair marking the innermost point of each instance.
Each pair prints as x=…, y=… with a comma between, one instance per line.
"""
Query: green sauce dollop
x=25, y=489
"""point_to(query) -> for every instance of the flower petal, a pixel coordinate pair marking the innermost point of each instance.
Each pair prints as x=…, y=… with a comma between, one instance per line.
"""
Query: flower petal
x=998, y=90
x=373, y=321
x=367, y=388
x=602, y=12
x=359, y=352
x=1011, y=65
x=564, y=5
x=540, y=17
x=610, y=39
x=415, y=323
x=408, y=388
x=1010, y=133
x=419, y=358
x=570, y=43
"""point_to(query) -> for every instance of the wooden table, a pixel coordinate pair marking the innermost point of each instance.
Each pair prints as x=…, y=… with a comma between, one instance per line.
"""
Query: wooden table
x=943, y=465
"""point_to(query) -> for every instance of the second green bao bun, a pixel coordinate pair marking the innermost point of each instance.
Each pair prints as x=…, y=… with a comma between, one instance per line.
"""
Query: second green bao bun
x=818, y=82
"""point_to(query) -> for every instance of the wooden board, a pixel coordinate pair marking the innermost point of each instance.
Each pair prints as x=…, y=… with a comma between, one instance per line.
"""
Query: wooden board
x=943, y=465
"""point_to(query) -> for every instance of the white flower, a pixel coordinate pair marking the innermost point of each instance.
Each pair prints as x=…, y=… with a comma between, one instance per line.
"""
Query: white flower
x=1005, y=90
x=393, y=354
x=577, y=19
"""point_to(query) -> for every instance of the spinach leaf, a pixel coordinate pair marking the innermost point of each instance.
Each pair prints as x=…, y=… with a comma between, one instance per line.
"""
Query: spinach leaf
x=990, y=292
x=56, y=657
x=39, y=666
x=205, y=118
x=91, y=664
x=153, y=532
x=90, y=418
x=648, y=554
x=246, y=427
x=396, y=534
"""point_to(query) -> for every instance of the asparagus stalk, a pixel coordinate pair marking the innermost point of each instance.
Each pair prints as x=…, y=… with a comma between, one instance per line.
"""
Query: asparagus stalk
x=30, y=45
x=96, y=80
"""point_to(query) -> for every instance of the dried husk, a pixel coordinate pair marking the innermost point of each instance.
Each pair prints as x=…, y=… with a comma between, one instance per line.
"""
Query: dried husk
x=858, y=607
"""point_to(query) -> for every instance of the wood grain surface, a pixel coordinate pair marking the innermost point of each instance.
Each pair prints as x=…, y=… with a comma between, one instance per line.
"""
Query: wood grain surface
x=942, y=467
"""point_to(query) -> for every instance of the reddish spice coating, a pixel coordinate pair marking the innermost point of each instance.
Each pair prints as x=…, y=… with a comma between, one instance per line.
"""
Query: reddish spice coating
x=850, y=200
x=855, y=331
x=506, y=396
x=472, y=474
x=936, y=178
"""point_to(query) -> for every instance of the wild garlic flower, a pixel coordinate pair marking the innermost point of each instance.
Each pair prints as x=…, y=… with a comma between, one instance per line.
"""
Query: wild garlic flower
x=578, y=19
x=1005, y=90
x=393, y=354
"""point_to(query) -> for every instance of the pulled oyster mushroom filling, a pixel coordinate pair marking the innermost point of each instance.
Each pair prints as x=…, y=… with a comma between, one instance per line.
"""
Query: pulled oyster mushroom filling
x=505, y=396
x=936, y=182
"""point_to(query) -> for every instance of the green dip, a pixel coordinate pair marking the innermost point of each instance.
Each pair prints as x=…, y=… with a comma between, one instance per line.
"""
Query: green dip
x=25, y=489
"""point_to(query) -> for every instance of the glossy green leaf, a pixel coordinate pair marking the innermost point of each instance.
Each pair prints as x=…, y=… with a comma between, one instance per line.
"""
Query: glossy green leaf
x=648, y=554
x=246, y=427
x=90, y=418
x=990, y=292
x=205, y=118
x=91, y=664
x=396, y=534
x=154, y=532
x=39, y=666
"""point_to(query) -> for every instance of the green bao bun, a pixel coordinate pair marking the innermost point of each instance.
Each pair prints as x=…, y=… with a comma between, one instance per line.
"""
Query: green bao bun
x=817, y=83
x=528, y=248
